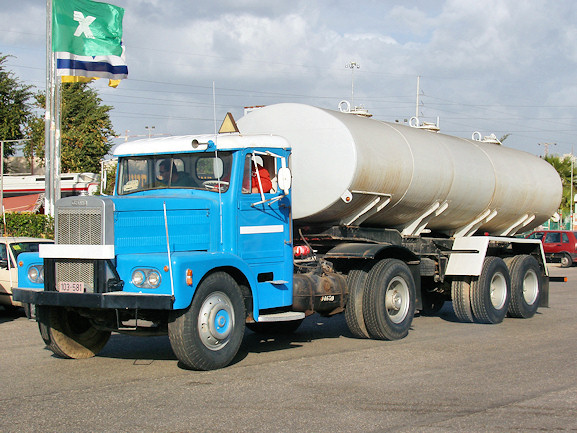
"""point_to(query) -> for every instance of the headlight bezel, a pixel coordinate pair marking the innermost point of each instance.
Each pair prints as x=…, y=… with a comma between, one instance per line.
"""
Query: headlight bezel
x=146, y=278
x=38, y=278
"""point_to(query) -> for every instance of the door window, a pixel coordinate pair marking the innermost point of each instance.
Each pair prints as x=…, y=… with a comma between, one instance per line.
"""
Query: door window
x=553, y=238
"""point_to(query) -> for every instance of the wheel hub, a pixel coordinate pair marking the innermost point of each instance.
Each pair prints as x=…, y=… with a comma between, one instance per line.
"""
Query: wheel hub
x=216, y=321
x=397, y=300
x=498, y=290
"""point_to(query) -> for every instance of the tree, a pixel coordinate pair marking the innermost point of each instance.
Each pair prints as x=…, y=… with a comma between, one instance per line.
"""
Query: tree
x=86, y=129
x=563, y=166
x=15, y=107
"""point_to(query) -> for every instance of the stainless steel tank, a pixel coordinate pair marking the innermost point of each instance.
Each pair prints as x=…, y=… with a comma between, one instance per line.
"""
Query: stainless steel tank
x=354, y=170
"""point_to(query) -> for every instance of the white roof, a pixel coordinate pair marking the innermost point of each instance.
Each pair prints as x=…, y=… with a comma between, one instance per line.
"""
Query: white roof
x=177, y=144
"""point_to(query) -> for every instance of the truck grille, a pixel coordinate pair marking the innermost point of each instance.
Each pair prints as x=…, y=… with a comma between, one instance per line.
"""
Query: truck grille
x=79, y=221
x=69, y=270
x=80, y=226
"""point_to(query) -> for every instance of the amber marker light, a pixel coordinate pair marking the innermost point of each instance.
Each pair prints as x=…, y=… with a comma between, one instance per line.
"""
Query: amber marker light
x=189, y=277
x=165, y=268
x=20, y=264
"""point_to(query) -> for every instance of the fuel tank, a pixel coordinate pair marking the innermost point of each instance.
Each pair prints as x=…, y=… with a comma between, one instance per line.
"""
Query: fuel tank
x=357, y=171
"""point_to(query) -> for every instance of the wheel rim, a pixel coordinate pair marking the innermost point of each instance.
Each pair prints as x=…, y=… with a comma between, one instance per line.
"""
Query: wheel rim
x=498, y=290
x=530, y=287
x=397, y=300
x=216, y=321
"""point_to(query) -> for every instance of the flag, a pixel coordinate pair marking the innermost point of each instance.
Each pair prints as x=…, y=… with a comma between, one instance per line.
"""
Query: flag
x=87, y=41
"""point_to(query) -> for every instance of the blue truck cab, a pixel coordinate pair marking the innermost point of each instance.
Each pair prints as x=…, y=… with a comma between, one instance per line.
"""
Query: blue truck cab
x=195, y=242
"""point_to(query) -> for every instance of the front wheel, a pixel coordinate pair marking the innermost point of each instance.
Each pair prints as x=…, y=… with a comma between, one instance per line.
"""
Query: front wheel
x=68, y=334
x=208, y=334
x=389, y=300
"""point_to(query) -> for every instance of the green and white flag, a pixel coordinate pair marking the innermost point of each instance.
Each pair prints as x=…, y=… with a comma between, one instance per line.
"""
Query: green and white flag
x=87, y=39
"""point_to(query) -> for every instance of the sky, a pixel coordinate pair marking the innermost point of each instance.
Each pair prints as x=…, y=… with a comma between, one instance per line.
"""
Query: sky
x=493, y=66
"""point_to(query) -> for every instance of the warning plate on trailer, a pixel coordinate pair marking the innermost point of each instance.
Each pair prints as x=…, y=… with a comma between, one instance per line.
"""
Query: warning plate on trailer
x=71, y=287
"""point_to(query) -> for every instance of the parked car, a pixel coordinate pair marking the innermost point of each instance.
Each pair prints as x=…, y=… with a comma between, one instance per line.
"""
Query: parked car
x=559, y=245
x=8, y=266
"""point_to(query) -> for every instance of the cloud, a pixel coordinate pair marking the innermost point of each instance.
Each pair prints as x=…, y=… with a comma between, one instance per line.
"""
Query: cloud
x=483, y=64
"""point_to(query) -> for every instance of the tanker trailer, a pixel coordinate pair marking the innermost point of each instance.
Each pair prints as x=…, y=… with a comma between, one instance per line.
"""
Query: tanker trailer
x=411, y=218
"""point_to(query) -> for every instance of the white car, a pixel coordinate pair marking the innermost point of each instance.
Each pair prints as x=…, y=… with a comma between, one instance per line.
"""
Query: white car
x=8, y=266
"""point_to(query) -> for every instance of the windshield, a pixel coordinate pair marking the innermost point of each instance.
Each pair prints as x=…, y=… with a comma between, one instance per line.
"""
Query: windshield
x=179, y=171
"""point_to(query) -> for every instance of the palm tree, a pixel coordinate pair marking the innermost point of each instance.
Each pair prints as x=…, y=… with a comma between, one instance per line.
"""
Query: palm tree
x=563, y=166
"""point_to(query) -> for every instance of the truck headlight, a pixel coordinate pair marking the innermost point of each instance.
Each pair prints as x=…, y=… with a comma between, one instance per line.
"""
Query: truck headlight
x=146, y=278
x=36, y=274
x=154, y=279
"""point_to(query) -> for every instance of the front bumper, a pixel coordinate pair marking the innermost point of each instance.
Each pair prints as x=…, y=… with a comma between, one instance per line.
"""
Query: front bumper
x=111, y=300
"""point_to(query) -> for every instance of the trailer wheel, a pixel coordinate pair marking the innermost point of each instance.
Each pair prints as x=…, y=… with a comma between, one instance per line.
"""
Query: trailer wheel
x=460, y=293
x=566, y=261
x=68, y=334
x=356, y=281
x=208, y=334
x=490, y=293
x=275, y=328
x=525, y=286
x=389, y=300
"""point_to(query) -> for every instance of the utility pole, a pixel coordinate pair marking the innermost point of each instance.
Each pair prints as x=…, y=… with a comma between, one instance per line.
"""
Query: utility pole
x=546, y=146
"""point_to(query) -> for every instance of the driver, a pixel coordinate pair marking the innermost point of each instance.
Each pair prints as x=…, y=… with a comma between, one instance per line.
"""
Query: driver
x=264, y=178
x=168, y=173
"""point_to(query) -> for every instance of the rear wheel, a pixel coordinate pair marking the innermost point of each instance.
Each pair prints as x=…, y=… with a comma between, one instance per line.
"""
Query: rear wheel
x=356, y=281
x=389, y=300
x=490, y=293
x=566, y=261
x=208, y=334
x=68, y=334
x=461, y=295
x=525, y=286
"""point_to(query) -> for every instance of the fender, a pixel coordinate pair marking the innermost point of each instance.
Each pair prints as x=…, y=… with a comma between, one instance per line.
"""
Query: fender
x=359, y=250
x=201, y=263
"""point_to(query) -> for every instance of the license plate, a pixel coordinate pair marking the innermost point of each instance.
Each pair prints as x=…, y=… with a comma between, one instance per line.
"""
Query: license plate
x=68, y=287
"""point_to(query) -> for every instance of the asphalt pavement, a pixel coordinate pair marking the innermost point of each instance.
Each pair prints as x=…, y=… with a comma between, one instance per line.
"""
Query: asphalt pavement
x=446, y=376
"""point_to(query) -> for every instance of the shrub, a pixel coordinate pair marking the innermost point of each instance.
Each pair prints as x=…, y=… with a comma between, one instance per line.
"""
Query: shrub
x=29, y=224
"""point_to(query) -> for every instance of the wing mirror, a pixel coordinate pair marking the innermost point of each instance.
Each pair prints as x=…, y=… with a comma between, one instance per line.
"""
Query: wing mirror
x=284, y=179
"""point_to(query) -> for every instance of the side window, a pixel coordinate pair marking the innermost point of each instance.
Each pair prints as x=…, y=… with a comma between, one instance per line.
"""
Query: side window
x=3, y=255
x=565, y=238
x=553, y=238
x=259, y=174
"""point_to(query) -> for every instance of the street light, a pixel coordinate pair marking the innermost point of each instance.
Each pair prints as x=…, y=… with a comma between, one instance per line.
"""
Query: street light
x=352, y=65
x=149, y=129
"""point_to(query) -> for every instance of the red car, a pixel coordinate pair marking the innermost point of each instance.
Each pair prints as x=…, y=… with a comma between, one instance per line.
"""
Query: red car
x=559, y=245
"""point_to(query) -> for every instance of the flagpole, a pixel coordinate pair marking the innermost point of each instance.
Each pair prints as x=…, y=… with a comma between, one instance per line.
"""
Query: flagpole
x=49, y=199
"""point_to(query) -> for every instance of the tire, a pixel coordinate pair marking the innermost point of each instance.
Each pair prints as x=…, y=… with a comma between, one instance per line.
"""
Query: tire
x=389, y=300
x=491, y=292
x=208, y=334
x=526, y=286
x=356, y=281
x=566, y=261
x=275, y=328
x=68, y=334
x=461, y=295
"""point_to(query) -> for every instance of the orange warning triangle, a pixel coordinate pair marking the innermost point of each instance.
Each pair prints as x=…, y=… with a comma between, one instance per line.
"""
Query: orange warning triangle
x=228, y=125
